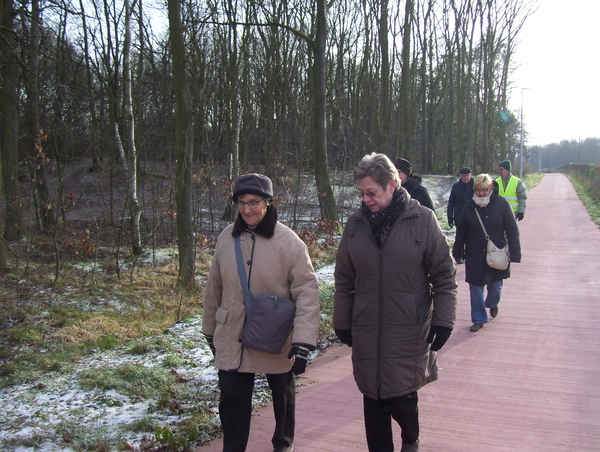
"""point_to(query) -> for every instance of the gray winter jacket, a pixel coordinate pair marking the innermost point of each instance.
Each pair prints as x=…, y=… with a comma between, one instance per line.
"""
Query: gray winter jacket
x=390, y=297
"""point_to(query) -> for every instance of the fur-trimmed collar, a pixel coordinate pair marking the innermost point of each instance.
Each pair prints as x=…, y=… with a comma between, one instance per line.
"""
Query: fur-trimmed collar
x=265, y=228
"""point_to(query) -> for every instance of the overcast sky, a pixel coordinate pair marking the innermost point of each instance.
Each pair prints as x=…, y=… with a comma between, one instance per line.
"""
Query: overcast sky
x=559, y=56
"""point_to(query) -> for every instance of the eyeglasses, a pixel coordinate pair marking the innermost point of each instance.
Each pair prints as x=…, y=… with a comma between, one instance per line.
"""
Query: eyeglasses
x=370, y=194
x=482, y=190
x=252, y=204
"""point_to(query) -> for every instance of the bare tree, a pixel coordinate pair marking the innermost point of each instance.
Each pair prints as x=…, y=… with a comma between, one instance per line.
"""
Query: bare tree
x=185, y=142
x=324, y=190
x=129, y=133
x=9, y=107
x=404, y=129
x=385, y=120
x=37, y=156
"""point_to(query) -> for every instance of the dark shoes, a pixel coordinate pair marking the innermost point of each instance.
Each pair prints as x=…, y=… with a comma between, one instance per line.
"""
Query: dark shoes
x=410, y=447
x=494, y=312
x=476, y=327
x=284, y=449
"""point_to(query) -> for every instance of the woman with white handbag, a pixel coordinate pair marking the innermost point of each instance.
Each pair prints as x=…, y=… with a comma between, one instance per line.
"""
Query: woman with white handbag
x=486, y=217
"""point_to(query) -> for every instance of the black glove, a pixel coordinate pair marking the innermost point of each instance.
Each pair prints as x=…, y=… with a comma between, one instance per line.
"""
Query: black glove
x=519, y=216
x=211, y=343
x=345, y=336
x=441, y=334
x=300, y=351
x=451, y=222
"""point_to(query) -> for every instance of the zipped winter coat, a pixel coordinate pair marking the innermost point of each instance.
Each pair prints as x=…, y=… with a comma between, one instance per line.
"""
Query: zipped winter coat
x=499, y=221
x=280, y=265
x=414, y=187
x=390, y=297
x=459, y=195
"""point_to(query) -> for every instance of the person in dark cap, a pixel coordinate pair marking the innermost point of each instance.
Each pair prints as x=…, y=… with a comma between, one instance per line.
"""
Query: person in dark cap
x=278, y=263
x=512, y=188
x=412, y=183
x=461, y=192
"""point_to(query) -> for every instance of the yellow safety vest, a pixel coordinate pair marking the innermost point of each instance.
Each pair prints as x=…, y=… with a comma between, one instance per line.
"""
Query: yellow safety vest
x=510, y=193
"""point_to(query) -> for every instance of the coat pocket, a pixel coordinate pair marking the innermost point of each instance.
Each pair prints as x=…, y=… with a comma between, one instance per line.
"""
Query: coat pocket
x=221, y=315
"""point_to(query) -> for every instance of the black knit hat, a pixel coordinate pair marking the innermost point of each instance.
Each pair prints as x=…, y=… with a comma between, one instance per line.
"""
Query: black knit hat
x=505, y=164
x=465, y=170
x=254, y=184
x=404, y=166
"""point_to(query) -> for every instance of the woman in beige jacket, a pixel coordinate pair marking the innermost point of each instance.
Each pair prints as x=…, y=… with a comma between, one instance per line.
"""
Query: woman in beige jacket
x=277, y=264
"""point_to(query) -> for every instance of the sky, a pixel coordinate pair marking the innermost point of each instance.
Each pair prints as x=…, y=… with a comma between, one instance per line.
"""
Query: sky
x=559, y=64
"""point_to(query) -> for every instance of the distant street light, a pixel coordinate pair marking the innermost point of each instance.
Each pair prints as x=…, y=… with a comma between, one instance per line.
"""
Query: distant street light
x=521, y=151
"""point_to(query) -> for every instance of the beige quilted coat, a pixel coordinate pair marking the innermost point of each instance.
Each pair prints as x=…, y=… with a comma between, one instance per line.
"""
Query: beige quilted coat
x=280, y=266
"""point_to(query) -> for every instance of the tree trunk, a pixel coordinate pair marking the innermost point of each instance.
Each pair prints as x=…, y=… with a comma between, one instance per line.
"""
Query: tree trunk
x=9, y=107
x=94, y=127
x=185, y=129
x=324, y=190
x=37, y=157
x=405, y=84
x=3, y=250
x=129, y=131
x=385, y=79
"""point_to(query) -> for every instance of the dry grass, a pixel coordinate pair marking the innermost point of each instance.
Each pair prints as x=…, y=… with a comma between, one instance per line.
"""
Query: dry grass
x=88, y=306
x=92, y=330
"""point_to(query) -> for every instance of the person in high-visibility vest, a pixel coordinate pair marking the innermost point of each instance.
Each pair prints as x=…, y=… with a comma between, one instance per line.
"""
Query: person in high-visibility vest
x=513, y=189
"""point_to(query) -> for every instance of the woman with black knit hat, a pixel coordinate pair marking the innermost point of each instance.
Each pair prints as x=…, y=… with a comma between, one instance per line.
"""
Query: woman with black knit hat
x=277, y=263
x=413, y=183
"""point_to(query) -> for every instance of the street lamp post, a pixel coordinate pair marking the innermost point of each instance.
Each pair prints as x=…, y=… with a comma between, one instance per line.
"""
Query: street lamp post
x=521, y=145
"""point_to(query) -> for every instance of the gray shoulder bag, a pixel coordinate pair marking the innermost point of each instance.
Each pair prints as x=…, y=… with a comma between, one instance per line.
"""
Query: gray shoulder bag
x=269, y=318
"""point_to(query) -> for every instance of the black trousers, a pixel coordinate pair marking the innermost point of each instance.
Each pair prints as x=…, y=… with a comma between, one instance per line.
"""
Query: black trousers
x=235, y=408
x=378, y=421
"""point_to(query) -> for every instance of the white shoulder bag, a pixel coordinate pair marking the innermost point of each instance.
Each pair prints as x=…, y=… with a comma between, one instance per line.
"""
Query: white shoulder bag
x=495, y=257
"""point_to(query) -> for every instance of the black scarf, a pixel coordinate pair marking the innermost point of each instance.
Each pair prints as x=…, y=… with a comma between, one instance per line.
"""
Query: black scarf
x=382, y=221
x=265, y=228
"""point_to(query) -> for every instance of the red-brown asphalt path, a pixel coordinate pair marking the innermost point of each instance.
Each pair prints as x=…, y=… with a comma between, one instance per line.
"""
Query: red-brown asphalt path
x=529, y=381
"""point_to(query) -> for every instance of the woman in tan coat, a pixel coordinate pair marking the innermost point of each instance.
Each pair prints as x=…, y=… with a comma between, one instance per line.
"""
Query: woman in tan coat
x=277, y=264
x=395, y=300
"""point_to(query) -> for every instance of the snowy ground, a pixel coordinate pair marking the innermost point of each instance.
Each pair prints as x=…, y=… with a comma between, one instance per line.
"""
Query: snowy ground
x=41, y=416
x=55, y=413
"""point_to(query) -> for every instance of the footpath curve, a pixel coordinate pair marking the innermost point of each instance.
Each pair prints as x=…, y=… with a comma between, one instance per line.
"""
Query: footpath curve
x=529, y=381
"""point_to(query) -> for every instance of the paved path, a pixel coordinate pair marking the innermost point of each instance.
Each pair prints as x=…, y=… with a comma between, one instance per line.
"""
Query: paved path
x=528, y=381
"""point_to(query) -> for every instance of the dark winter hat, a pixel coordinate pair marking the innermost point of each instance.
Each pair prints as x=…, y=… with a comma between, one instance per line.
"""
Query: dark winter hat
x=254, y=184
x=466, y=170
x=505, y=164
x=404, y=166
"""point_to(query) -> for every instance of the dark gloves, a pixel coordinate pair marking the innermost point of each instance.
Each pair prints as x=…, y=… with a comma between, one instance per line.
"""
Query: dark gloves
x=345, y=336
x=451, y=222
x=211, y=344
x=300, y=351
x=441, y=335
x=519, y=216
